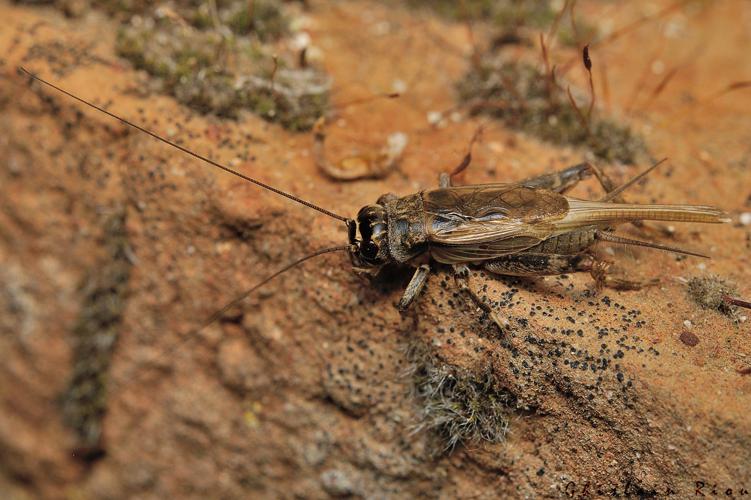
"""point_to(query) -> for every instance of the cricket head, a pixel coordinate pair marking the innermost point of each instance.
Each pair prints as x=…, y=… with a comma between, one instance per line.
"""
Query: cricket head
x=371, y=249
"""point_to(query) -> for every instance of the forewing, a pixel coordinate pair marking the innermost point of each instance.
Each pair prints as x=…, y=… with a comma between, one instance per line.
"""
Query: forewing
x=490, y=212
x=476, y=252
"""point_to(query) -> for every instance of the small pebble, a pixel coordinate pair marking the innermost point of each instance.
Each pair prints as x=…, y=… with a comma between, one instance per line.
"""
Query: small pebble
x=399, y=86
x=689, y=339
x=434, y=117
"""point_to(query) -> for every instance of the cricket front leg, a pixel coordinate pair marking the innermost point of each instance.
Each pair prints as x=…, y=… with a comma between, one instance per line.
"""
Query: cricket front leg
x=414, y=287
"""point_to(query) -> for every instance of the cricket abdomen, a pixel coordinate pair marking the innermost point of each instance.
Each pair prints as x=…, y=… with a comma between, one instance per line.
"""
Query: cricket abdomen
x=565, y=244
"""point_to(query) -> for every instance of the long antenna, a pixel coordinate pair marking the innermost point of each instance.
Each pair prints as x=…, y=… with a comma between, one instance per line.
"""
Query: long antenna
x=218, y=314
x=188, y=151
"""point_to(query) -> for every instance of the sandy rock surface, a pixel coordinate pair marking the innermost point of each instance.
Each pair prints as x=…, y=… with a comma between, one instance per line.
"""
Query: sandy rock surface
x=317, y=387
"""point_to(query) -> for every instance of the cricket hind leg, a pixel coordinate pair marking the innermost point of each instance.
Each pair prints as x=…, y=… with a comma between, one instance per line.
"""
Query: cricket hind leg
x=566, y=179
x=530, y=265
x=600, y=272
x=560, y=181
x=445, y=180
x=415, y=286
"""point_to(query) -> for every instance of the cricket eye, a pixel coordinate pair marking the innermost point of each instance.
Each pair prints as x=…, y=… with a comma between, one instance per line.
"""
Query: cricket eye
x=369, y=250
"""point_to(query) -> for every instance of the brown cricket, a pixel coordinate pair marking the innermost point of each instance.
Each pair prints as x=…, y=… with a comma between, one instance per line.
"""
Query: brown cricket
x=527, y=228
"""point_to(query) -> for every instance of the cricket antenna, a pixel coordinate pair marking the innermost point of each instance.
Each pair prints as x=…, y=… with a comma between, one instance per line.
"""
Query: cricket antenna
x=188, y=151
x=218, y=314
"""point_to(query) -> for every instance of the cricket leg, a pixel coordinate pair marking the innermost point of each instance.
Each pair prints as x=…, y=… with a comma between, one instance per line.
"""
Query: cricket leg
x=600, y=272
x=554, y=264
x=531, y=264
x=414, y=287
x=461, y=277
x=566, y=179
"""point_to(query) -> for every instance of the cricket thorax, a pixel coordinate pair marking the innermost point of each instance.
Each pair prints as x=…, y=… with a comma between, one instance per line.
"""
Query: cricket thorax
x=408, y=236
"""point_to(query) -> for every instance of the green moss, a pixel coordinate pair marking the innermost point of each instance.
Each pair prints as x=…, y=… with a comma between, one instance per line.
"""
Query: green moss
x=95, y=333
x=208, y=92
x=709, y=292
x=295, y=98
x=524, y=98
x=510, y=15
x=503, y=13
x=266, y=20
x=167, y=50
x=121, y=8
x=456, y=10
x=212, y=57
x=194, y=66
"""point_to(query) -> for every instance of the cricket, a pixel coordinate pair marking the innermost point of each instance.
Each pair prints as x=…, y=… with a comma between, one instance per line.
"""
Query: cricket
x=530, y=228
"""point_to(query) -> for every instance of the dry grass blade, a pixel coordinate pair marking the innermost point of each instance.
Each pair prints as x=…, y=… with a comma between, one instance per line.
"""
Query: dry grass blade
x=579, y=114
x=588, y=66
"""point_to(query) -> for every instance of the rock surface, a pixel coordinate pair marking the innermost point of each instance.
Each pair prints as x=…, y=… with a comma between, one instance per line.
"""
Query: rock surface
x=317, y=386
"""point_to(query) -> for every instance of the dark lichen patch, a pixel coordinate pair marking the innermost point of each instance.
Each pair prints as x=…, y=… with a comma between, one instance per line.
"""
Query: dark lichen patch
x=60, y=57
x=547, y=340
x=710, y=292
x=95, y=333
x=525, y=98
x=224, y=68
x=458, y=406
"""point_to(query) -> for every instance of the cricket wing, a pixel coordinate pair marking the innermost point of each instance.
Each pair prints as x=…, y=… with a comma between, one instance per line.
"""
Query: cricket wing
x=478, y=252
x=475, y=223
x=589, y=213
